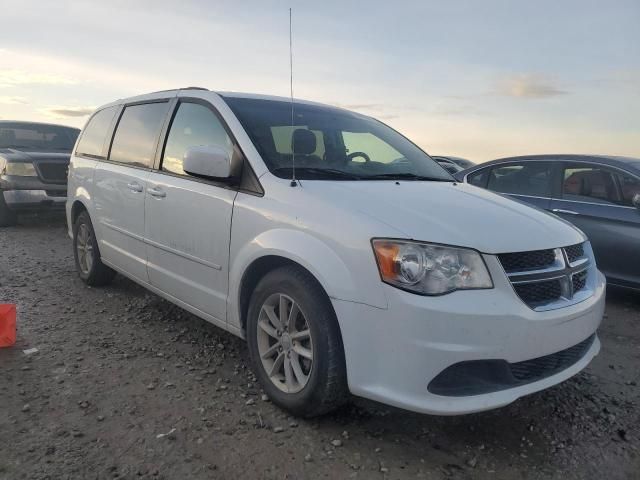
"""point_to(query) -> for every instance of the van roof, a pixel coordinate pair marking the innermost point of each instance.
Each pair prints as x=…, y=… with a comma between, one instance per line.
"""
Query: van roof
x=224, y=94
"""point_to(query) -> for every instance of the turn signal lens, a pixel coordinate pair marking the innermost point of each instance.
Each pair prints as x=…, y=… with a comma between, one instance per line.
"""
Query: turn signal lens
x=430, y=269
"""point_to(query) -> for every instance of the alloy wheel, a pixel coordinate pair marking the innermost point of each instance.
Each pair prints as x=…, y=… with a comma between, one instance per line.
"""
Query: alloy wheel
x=84, y=247
x=284, y=343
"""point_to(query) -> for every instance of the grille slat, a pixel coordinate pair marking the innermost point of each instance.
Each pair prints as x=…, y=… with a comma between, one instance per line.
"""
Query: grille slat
x=527, y=261
x=579, y=281
x=575, y=252
x=539, y=293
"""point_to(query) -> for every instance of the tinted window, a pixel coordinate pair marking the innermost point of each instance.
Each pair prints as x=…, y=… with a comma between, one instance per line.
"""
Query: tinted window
x=332, y=140
x=37, y=136
x=529, y=178
x=593, y=184
x=193, y=125
x=95, y=132
x=629, y=187
x=137, y=134
x=479, y=178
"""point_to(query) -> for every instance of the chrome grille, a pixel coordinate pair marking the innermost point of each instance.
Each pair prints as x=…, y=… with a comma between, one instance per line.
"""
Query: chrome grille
x=547, y=279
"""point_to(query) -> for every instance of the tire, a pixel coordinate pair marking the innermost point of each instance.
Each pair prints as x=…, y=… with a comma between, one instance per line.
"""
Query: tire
x=325, y=387
x=7, y=216
x=89, y=266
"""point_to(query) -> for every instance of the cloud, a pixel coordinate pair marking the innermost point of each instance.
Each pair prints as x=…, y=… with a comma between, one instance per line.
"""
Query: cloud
x=9, y=100
x=14, y=77
x=528, y=86
x=66, y=112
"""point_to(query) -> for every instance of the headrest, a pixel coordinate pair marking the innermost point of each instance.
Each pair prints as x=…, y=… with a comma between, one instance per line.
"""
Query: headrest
x=303, y=142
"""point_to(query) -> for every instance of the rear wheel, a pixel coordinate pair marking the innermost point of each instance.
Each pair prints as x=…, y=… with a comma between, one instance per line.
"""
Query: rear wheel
x=87, y=255
x=7, y=216
x=295, y=343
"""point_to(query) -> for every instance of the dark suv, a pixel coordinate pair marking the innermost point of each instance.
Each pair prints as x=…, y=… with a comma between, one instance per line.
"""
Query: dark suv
x=34, y=160
x=598, y=194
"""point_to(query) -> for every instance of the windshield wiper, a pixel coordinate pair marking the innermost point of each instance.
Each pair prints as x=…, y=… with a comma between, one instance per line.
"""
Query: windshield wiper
x=318, y=172
x=406, y=176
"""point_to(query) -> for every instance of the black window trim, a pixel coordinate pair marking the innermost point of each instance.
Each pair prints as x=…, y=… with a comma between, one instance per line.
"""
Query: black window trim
x=245, y=168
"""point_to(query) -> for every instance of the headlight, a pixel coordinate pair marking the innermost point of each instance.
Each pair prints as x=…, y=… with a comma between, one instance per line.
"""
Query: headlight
x=430, y=269
x=21, y=169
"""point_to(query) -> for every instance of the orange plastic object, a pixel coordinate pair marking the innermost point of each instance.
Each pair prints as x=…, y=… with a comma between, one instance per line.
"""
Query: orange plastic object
x=7, y=324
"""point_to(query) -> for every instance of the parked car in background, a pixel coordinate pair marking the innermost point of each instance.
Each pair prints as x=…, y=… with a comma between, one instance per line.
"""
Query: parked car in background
x=338, y=277
x=598, y=194
x=448, y=165
x=453, y=164
x=34, y=160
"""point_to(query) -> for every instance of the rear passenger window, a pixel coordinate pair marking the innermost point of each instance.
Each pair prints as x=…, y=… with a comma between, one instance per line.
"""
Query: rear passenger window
x=533, y=179
x=136, y=137
x=193, y=125
x=629, y=188
x=95, y=133
x=590, y=184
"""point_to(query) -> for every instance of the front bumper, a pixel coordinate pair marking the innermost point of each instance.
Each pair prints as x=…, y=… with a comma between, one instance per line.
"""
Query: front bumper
x=393, y=354
x=26, y=193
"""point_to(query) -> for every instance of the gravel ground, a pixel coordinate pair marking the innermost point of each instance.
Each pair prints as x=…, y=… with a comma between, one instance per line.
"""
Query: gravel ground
x=126, y=385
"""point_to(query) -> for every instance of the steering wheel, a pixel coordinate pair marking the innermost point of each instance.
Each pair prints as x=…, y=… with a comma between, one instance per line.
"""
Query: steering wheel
x=353, y=155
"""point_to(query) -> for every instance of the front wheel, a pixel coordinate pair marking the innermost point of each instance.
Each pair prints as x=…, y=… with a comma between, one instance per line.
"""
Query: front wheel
x=295, y=343
x=87, y=255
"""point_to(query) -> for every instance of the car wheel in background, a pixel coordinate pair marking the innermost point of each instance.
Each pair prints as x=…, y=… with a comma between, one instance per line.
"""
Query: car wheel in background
x=87, y=255
x=7, y=216
x=295, y=343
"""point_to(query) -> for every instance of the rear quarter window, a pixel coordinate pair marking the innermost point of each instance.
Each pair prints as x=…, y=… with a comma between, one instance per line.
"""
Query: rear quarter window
x=94, y=134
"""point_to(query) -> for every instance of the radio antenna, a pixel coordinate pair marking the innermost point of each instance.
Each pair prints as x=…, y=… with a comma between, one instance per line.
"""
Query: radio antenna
x=293, y=153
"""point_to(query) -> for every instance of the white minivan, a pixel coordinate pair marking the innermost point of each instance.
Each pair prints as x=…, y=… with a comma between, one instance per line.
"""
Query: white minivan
x=366, y=269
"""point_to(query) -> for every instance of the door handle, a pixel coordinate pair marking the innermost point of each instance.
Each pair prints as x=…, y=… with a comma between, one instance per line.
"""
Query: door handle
x=134, y=187
x=562, y=210
x=156, y=192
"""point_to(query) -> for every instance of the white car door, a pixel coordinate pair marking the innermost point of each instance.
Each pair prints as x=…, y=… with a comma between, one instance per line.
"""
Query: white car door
x=120, y=186
x=188, y=220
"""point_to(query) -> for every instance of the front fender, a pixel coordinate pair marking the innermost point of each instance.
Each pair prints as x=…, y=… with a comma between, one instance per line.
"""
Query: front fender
x=325, y=265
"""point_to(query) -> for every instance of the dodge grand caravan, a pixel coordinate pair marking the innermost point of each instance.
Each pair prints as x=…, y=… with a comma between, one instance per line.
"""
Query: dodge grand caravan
x=366, y=269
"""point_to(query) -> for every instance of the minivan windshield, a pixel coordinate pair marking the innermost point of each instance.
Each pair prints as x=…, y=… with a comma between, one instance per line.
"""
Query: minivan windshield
x=330, y=143
x=29, y=136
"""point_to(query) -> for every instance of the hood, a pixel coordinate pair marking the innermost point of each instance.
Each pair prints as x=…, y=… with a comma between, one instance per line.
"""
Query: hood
x=14, y=155
x=453, y=214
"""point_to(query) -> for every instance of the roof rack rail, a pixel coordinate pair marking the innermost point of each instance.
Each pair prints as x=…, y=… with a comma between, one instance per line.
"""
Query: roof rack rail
x=181, y=88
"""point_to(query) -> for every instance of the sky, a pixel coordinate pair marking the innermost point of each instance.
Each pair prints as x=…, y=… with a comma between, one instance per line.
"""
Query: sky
x=480, y=80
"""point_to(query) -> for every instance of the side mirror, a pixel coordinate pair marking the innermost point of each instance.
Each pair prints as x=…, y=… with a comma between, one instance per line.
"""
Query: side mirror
x=636, y=201
x=207, y=161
